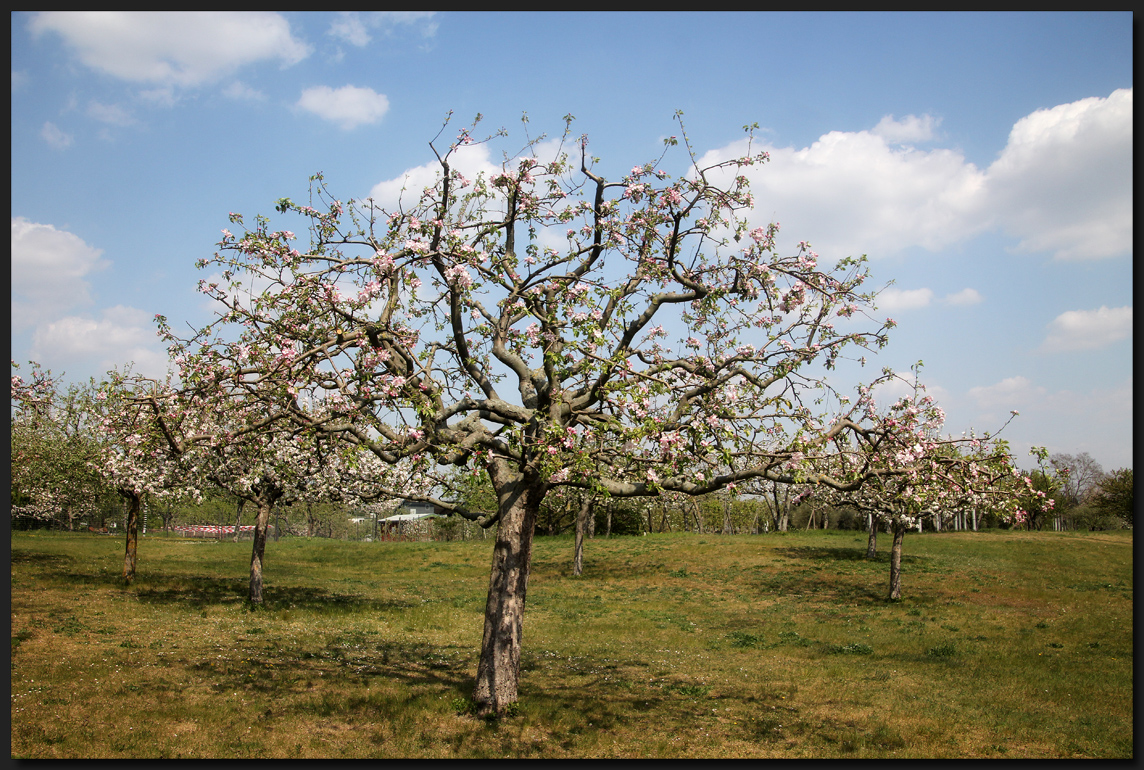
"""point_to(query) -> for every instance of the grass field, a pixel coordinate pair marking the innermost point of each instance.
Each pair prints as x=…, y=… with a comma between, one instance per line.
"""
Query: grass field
x=1007, y=644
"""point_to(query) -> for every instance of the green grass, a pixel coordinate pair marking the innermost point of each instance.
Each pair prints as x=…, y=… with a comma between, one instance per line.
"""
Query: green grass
x=1006, y=645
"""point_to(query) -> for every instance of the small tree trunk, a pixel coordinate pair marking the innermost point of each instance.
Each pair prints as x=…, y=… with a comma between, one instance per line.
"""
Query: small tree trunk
x=581, y=527
x=265, y=503
x=608, y=526
x=238, y=518
x=872, y=541
x=728, y=529
x=498, y=671
x=592, y=524
x=896, y=561
x=134, y=504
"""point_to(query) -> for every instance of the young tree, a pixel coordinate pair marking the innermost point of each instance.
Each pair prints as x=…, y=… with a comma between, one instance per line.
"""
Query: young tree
x=914, y=473
x=221, y=435
x=134, y=457
x=519, y=324
x=1044, y=486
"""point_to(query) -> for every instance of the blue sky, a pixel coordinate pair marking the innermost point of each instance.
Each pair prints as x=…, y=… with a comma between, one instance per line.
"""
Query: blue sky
x=982, y=161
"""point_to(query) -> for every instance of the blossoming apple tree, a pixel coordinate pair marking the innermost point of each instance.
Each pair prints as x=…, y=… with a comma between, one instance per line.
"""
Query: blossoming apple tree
x=134, y=456
x=544, y=326
x=911, y=471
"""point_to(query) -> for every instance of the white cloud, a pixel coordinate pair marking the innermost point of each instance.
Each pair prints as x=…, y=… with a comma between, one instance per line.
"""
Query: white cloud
x=348, y=106
x=173, y=48
x=852, y=193
x=110, y=113
x=239, y=90
x=56, y=138
x=894, y=300
x=964, y=297
x=1088, y=329
x=468, y=160
x=350, y=28
x=908, y=130
x=1010, y=393
x=120, y=336
x=49, y=268
x=19, y=79
x=353, y=27
x=1063, y=183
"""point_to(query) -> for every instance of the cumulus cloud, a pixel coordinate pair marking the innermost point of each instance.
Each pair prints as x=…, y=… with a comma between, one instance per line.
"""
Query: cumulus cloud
x=964, y=297
x=853, y=193
x=1088, y=329
x=55, y=138
x=119, y=336
x=1062, y=185
x=908, y=130
x=172, y=48
x=893, y=300
x=49, y=270
x=348, y=106
x=111, y=114
x=241, y=91
x=354, y=28
x=468, y=160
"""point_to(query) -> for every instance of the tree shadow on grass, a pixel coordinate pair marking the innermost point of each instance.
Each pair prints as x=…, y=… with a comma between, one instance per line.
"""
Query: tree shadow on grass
x=203, y=591
x=845, y=554
x=39, y=557
x=200, y=592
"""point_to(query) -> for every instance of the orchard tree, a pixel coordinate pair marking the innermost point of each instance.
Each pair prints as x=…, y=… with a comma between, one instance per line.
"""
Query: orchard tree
x=1043, y=488
x=545, y=327
x=912, y=472
x=223, y=436
x=54, y=443
x=134, y=458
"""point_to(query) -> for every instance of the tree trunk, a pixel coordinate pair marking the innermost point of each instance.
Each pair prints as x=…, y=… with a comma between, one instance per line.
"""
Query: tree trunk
x=872, y=541
x=608, y=527
x=238, y=518
x=134, y=504
x=498, y=672
x=581, y=527
x=896, y=561
x=265, y=503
